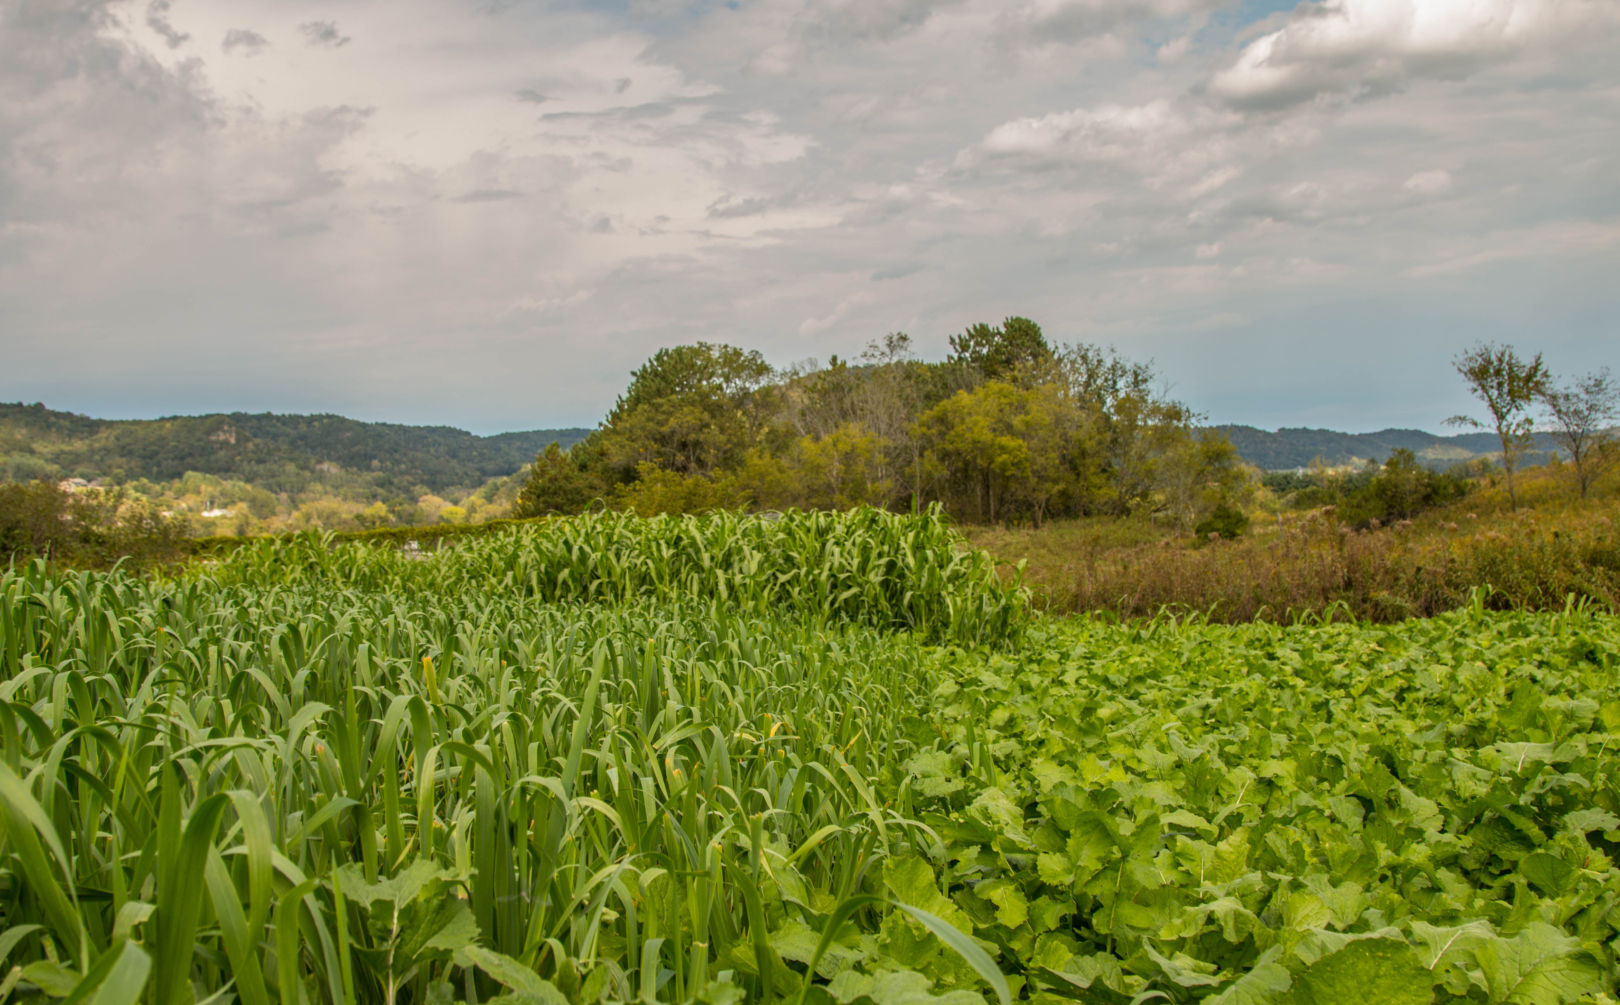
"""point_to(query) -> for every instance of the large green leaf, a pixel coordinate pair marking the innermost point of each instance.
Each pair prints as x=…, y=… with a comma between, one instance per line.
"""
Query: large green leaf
x=897, y=987
x=526, y=985
x=1539, y=966
x=1366, y=970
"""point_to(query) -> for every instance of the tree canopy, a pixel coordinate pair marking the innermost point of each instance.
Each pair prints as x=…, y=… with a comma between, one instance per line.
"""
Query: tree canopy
x=1007, y=428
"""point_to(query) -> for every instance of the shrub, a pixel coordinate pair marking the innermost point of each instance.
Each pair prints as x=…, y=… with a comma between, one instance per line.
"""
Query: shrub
x=1226, y=520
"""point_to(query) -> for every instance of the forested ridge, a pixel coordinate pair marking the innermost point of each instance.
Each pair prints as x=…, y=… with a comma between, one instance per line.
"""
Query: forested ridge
x=1299, y=447
x=279, y=453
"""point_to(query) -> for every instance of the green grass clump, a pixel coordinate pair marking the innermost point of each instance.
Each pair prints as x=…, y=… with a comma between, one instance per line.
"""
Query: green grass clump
x=866, y=566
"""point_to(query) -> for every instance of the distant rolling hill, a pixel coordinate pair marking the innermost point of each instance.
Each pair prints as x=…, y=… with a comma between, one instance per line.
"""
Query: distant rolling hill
x=1297, y=448
x=282, y=453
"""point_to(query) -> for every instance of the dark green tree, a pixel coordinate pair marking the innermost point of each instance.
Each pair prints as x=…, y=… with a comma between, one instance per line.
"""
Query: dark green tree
x=692, y=409
x=557, y=484
x=1012, y=352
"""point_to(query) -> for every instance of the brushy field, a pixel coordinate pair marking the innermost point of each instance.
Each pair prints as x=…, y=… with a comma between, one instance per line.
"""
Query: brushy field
x=1312, y=563
x=816, y=759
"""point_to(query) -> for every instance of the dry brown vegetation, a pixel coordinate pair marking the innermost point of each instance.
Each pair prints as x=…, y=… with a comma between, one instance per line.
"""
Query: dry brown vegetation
x=1553, y=548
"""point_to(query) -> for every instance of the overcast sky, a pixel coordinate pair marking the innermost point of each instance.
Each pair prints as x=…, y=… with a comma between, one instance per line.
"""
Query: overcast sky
x=486, y=214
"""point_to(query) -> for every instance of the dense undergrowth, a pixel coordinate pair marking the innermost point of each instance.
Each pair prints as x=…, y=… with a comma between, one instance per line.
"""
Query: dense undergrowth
x=1317, y=563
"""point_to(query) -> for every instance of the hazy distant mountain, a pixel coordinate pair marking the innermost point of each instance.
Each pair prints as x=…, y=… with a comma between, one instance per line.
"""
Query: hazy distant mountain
x=1297, y=448
x=282, y=453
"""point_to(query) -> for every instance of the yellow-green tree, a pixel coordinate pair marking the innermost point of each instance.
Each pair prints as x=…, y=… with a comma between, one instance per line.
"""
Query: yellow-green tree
x=1001, y=448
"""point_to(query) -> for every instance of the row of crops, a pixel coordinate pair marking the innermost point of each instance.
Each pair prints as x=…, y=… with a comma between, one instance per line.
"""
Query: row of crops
x=815, y=759
x=862, y=567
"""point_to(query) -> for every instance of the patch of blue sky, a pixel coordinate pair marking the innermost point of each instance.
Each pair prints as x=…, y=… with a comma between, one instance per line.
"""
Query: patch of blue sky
x=1233, y=25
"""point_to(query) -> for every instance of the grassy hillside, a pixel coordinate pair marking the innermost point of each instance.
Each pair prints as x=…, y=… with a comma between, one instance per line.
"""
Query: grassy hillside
x=279, y=453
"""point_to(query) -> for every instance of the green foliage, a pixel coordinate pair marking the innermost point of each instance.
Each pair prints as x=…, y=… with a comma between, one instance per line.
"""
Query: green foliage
x=556, y=484
x=690, y=409
x=1007, y=429
x=1309, y=814
x=353, y=796
x=1399, y=489
x=1225, y=520
x=1583, y=413
x=312, y=774
x=656, y=491
x=411, y=538
x=1004, y=353
x=1009, y=446
x=92, y=528
x=841, y=470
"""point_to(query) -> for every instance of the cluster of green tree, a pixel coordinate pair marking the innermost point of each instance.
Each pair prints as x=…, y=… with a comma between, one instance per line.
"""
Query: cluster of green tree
x=1008, y=428
x=281, y=454
x=1398, y=489
x=93, y=529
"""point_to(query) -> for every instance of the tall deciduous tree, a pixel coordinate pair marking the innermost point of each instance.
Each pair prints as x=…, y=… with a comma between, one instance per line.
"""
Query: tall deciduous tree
x=1508, y=386
x=1583, y=412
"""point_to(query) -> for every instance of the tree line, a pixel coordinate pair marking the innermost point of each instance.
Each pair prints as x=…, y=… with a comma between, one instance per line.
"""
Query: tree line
x=1008, y=428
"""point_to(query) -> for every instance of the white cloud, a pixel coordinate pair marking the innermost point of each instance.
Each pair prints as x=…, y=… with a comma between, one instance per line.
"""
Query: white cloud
x=1351, y=47
x=1160, y=141
x=1429, y=183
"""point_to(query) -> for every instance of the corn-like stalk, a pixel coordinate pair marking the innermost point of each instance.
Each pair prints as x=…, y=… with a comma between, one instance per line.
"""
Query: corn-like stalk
x=867, y=566
x=315, y=777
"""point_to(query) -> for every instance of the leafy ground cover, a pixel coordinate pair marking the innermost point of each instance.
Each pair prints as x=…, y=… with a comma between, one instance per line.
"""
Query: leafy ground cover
x=1406, y=813
x=321, y=774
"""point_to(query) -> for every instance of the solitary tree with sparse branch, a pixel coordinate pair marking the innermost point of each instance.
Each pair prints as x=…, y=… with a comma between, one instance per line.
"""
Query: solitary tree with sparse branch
x=1508, y=386
x=1583, y=412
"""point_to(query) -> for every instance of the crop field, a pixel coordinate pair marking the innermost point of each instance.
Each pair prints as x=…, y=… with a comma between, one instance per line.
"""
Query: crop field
x=820, y=758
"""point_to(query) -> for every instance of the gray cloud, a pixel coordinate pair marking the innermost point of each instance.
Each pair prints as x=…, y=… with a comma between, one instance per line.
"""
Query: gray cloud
x=489, y=195
x=250, y=42
x=323, y=33
x=157, y=19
